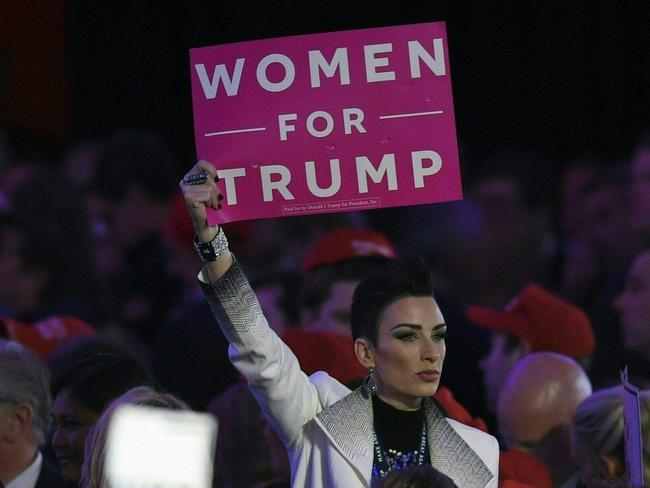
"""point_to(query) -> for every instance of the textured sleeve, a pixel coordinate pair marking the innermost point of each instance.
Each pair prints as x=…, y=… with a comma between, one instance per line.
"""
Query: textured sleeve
x=287, y=397
x=493, y=463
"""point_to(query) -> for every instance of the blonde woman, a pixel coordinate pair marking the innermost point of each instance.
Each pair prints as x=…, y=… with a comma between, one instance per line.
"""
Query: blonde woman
x=92, y=470
x=597, y=436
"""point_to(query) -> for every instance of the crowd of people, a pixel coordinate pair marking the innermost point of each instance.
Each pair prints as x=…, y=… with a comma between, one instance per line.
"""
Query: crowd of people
x=476, y=343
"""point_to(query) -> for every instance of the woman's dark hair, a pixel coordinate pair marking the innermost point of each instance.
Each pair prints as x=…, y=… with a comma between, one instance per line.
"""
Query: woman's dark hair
x=416, y=477
x=97, y=380
x=396, y=279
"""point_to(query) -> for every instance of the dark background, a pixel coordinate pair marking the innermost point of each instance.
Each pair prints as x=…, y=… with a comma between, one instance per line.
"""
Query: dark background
x=561, y=78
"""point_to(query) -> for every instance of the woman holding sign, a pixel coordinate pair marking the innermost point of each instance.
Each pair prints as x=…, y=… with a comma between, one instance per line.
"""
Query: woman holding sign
x=336, y=437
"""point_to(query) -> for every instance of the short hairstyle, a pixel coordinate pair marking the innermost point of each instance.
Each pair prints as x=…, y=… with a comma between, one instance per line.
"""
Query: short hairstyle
x=95, y=381
x=396, y=279
x=92, y=470
x=597, y=428
x=25, y=379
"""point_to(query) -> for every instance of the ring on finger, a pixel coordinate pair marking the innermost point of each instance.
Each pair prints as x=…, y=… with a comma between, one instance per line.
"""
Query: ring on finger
x=196, y=179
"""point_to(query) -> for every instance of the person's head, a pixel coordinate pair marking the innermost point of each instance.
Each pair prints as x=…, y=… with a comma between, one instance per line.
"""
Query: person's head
x=136, y=176
x=534, y=320
x=326, y=295
x=535, y=407
x=51, y=240
x=505, y=189
x=24, y=408
x=92, y=472
x=399, y=331
x=416, y=477
x=80, y=396
x=331, y=272
x=504, y=353
x=633, y=306
x=597, y=434
x=285, y=243
x=601, y=226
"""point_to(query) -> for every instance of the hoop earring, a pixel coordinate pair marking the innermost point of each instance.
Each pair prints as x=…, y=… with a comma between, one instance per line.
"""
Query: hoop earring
x=371, y=386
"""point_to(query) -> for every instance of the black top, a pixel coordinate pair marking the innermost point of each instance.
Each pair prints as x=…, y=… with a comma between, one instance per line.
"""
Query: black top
x=400, y=439
x=397, y=430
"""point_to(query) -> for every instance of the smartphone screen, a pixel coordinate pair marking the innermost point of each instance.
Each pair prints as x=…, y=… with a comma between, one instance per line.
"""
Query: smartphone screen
x=155, y=447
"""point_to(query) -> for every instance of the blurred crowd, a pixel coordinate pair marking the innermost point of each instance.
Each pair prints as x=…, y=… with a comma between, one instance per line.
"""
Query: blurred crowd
x=543, y=279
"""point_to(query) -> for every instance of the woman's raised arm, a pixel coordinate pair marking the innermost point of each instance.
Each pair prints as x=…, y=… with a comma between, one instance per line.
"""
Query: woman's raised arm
x=284, y=392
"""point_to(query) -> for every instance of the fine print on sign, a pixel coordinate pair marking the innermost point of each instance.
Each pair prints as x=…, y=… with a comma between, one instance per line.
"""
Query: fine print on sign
x=332, y=122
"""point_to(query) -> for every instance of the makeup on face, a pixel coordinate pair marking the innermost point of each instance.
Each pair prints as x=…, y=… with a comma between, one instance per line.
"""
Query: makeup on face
x=410, y=351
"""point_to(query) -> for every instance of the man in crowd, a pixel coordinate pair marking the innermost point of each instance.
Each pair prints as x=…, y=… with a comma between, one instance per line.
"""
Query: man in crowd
x=535, y=407
x=24, y=420
x=535, y=320
x=331, y=272
x=136, y=176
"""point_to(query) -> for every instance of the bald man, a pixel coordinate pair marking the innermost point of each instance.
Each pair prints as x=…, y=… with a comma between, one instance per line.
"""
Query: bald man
x=535, y=407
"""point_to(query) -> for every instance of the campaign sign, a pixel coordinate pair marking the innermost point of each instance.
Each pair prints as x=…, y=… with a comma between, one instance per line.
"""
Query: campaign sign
x=331, y=122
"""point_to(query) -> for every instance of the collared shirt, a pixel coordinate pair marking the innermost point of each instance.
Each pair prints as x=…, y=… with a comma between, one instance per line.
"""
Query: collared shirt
x=28, y=478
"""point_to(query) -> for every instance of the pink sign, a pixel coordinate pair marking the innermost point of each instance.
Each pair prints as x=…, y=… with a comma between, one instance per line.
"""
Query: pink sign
x=331, y=122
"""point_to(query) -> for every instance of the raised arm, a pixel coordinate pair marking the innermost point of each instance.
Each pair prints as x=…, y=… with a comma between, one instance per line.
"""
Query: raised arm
x=283, y=391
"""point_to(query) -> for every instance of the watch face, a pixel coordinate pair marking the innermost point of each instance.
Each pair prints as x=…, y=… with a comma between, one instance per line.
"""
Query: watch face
x=204, y=249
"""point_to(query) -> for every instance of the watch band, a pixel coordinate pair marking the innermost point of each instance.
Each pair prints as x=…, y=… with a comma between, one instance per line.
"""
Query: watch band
x=210, y=251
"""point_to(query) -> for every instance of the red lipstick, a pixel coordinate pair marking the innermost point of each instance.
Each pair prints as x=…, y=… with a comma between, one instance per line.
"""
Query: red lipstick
x=429, y=375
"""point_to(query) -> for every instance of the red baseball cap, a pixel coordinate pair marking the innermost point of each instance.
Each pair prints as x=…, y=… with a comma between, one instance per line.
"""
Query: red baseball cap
x=44, y=336
x=543, y=320
x=348, y=243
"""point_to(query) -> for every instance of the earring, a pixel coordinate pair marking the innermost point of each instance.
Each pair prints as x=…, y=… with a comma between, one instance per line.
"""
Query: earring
x=371, y=386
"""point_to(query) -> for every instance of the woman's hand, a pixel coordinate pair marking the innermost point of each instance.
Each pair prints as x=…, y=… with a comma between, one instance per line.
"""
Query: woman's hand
x=200, y=197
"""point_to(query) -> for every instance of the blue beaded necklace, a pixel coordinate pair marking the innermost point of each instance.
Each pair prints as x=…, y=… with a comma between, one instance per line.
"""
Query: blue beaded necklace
x=385, y=462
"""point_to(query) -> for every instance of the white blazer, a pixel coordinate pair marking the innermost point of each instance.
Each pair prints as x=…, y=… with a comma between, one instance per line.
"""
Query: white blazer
x=326, y=428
